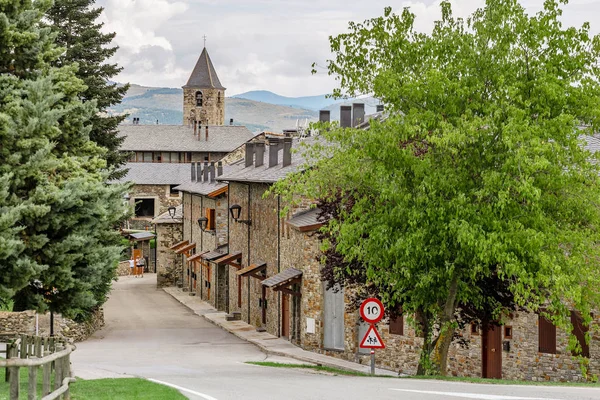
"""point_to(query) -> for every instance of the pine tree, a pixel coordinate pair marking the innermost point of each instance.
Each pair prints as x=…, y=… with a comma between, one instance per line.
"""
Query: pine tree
x=58, y=245
x=78, y=32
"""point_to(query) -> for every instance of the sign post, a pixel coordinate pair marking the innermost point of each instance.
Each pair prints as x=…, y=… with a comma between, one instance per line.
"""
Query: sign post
x=371, y=311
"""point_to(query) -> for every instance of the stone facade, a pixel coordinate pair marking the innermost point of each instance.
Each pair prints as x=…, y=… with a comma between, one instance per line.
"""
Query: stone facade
x=212, y=111
x=169, y=264
x=13, y=324
x=162, y=201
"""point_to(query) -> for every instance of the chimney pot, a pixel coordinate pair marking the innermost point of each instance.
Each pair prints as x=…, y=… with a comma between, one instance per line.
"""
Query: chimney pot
x=273, y=152
x=249, y=154
x=324, y=116
x=212, y=172
x=205, y=172
x=219, y=168
x=287, y=151
x=207, y=132
x=260, y=154
x=345, y=116
x=198, y=172
x=358, y=114
x=231, y=121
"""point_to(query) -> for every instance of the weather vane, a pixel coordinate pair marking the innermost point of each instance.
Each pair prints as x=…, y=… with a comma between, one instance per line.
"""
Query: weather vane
x=204, y=40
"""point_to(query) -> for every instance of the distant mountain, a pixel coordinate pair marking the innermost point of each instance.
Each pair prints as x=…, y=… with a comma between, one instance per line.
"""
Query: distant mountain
x=165, y=106
x=309, y=102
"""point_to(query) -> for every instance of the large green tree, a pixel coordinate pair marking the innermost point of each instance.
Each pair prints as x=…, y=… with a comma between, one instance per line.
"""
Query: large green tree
x=478, y=176
x=58, y=245
x=80, y=34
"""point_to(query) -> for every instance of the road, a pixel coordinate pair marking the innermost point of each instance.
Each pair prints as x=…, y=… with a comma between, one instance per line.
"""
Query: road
x=151, y=335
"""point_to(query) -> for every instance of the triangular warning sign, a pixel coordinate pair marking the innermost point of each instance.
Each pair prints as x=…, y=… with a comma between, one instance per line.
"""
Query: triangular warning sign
x=372, y=340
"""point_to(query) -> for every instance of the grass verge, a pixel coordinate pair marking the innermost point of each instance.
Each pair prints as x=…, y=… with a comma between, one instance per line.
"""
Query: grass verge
x=101, y=389
x=321, y=368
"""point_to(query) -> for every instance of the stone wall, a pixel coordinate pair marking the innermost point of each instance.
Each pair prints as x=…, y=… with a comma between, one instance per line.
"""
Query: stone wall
x=211, y=112
x=168, y=264
x=13, y=324
x=123, y=268
x=162, y=201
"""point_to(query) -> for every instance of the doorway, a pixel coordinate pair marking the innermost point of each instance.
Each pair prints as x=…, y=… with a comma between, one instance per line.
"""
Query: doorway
x=491, y=347
x=285, y=315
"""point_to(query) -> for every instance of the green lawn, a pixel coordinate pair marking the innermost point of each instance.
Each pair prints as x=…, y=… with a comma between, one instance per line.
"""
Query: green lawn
x=102, y=389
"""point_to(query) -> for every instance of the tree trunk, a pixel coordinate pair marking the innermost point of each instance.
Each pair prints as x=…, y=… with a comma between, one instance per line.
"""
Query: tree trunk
x=447, y=327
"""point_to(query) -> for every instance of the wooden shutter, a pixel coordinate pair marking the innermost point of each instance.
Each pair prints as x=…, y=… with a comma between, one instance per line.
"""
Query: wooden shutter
x=397, y=325
x=547, y=336
x=210, y=215
x=579, y=330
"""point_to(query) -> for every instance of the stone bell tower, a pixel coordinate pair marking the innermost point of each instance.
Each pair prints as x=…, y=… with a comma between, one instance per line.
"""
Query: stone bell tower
x=203, y=94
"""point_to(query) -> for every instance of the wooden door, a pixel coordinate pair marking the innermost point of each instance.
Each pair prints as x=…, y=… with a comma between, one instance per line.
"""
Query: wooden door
x=285, y=315
x=491, y=348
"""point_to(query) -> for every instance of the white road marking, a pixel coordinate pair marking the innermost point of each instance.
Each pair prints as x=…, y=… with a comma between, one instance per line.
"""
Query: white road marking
x=204, y=396
x=479, y=396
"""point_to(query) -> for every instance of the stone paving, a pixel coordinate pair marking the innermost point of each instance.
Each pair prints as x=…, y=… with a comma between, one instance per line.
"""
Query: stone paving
x=270, y=344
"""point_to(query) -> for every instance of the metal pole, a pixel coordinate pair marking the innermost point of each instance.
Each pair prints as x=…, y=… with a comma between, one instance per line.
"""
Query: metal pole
x=51, y=323
x=372, y=362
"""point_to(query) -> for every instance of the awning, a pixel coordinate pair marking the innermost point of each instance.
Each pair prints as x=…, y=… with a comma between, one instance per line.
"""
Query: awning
x=306, y=221
x=179, y=244
x=140, y=236
x=212, y=255
x=283, y=280
x=254, y=270
x=185, y=249
x=218, y=192
x=230, y=258
x=196, y=257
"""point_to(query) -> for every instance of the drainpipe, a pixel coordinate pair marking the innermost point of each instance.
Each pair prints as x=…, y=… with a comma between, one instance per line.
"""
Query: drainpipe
x=278, y=265
x=228, y=251
x=248, y=279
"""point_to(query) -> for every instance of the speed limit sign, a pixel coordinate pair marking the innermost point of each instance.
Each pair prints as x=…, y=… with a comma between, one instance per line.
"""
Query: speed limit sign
x=371, y=310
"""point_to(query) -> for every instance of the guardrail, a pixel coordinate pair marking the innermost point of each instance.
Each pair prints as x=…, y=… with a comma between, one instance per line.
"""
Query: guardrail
x=32, y=352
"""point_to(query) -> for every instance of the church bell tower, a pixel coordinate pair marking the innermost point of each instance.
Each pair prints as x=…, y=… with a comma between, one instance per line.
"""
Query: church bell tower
x=203, y=94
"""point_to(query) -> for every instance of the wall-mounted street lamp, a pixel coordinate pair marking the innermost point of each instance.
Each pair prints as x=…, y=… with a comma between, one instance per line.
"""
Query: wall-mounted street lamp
x=172, y=212
x=202, y=221
x=235, y=211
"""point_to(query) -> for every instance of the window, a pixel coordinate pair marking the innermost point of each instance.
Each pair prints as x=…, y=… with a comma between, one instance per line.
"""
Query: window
x=157, y=157
x=147, y=156
x=547, y=336
x=144, y=208
x=508, y=332
x=579, y=331
x=397, y=325
x=132, y=157
x=165, y=157
x=474, y=328
x=198, y=99
x=188, y=157
x=210, y=214
x=172, y=191
x=174, y=157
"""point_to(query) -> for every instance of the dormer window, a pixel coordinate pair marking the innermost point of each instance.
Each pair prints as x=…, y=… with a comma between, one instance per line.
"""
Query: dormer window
x=198, y=99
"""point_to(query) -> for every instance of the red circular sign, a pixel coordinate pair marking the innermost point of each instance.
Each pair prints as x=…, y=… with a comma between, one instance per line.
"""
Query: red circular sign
x=371, y=310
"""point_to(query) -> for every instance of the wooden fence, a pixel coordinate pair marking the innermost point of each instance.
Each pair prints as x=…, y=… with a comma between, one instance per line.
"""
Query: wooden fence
x=32, y=352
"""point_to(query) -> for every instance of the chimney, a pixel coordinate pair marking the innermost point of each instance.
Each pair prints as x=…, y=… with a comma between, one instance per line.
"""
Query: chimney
x=260, y=154
x=358, y=114
x=199, y=172
x=324, y=116
x=205, y=172
x=249, y=154
x=380, y=108
x=212, y=172
x=193, y=172
x=219, y=168
x=231, y=121
x=195, y=128
x=207, y=132
x=287, y=151
x=273, y=152
x=345, y=116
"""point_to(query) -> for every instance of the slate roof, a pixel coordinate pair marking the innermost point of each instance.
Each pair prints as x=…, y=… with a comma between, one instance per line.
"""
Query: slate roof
x=306, y=220
x=203, y=188
x=282, y=278
x=156, y=173
x=204, y=75
x=139, y=236
x=165, y=218
x=221, y=138
x=592, y=143
x=263, y=174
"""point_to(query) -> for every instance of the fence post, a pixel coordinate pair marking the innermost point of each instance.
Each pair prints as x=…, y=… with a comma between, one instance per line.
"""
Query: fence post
x=58, y=369
x=32, y=376
x=8, y=355
x=46, y=376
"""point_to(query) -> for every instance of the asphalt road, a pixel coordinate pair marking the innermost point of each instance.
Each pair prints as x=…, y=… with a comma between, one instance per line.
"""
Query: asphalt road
x=149, y=334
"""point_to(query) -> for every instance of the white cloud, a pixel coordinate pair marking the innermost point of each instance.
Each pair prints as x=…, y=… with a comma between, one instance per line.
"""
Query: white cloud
x=259, y=44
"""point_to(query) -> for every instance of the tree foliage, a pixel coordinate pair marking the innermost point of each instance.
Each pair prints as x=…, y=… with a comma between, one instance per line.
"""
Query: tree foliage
x=479, y=178
x=58, y=245
x=75, y=24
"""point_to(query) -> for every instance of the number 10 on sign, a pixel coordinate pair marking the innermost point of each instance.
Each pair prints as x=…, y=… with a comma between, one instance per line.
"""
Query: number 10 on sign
x=371, y=310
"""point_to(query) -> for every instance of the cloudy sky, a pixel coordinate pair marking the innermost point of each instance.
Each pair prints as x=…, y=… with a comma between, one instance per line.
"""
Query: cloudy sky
x=260, y=44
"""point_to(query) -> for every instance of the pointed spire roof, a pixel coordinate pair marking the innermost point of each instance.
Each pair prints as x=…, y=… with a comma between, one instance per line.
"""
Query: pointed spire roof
x=204, y=75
